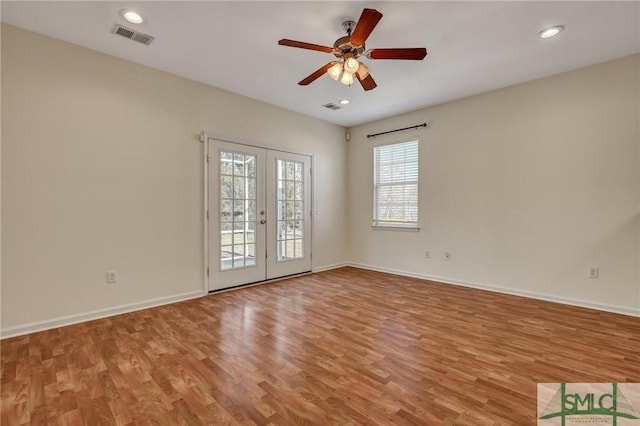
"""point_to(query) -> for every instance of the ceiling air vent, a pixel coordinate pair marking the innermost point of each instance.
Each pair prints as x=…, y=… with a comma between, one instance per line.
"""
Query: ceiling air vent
x=332, y=106
x=132, y=35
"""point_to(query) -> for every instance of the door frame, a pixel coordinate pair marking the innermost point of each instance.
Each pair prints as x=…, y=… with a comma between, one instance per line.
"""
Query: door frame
x=204, y=139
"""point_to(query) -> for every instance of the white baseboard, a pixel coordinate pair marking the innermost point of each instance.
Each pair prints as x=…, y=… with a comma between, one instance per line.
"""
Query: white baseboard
x=122, y=309
x=530, y=294
x=329, y=267
x=97, y=314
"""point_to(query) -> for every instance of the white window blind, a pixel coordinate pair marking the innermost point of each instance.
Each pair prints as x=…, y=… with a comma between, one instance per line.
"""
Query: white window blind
x=396, y=185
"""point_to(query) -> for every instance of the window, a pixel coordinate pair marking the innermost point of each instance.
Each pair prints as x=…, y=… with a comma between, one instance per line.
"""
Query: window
x=396, y=185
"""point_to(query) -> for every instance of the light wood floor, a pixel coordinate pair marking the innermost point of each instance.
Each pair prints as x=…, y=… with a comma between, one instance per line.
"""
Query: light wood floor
x=342, y=347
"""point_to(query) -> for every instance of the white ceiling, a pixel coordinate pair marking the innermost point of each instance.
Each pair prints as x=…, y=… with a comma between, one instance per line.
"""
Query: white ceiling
x=473, y=46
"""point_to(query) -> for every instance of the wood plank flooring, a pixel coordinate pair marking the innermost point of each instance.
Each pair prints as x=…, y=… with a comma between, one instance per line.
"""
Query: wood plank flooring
x=343, y=347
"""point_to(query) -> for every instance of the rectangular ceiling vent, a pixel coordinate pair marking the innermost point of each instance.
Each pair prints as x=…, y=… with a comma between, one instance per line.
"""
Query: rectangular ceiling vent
x=332, y=106
x=132, y=35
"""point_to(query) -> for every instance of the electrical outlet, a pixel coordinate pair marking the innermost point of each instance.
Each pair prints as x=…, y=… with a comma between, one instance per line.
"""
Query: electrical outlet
x=112, y=277
x=594, y=272
x=427, y=254
x=447, y=255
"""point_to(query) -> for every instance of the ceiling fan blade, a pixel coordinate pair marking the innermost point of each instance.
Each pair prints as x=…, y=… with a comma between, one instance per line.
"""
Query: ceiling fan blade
x=417, y=53
x=316, y=74
x=303, y=45
x=367, y=22
x=367, y=83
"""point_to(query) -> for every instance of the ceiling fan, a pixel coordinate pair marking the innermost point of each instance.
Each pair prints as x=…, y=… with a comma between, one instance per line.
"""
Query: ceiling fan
x=348, y=48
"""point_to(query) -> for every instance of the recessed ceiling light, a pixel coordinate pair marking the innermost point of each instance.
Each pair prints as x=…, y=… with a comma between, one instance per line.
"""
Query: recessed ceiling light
x=132, y=16
x=344, y=101
x=551, y=31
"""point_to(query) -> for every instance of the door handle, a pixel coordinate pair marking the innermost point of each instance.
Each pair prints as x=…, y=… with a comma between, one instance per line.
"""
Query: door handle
x=262, y=222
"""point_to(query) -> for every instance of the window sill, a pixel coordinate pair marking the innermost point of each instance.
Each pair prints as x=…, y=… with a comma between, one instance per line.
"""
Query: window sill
x=395, y=228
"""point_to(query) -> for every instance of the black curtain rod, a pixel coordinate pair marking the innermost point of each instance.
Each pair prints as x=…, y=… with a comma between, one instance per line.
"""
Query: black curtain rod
x=397, y=130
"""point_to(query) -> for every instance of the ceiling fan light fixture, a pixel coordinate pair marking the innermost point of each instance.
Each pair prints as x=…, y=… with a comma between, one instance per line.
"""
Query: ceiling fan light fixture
x=351, y=65
x=551, y=31
x=363, y=71
x=335, y=70
x=347, y=78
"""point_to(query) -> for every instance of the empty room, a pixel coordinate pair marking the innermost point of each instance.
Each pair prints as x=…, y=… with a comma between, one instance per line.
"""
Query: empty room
x=320, y=213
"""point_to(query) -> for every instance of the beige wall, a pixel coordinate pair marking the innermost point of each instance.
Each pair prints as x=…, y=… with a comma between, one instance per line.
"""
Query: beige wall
x=526, y=186
x=102, y=169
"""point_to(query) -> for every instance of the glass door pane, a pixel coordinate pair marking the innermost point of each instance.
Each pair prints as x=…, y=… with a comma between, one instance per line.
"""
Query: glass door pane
x=238, y=205
x=289, y=212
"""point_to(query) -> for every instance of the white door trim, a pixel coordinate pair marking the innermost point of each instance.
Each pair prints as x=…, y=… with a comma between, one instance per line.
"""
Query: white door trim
x=205, y=214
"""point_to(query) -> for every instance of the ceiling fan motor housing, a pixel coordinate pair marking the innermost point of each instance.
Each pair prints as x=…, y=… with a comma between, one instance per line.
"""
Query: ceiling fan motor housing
x=343, y=47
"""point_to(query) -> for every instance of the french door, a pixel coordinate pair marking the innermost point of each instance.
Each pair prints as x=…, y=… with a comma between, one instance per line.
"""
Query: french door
x=259, y=210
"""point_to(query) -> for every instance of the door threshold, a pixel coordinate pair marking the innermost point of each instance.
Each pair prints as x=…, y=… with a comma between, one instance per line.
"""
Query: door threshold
x=272, y=280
